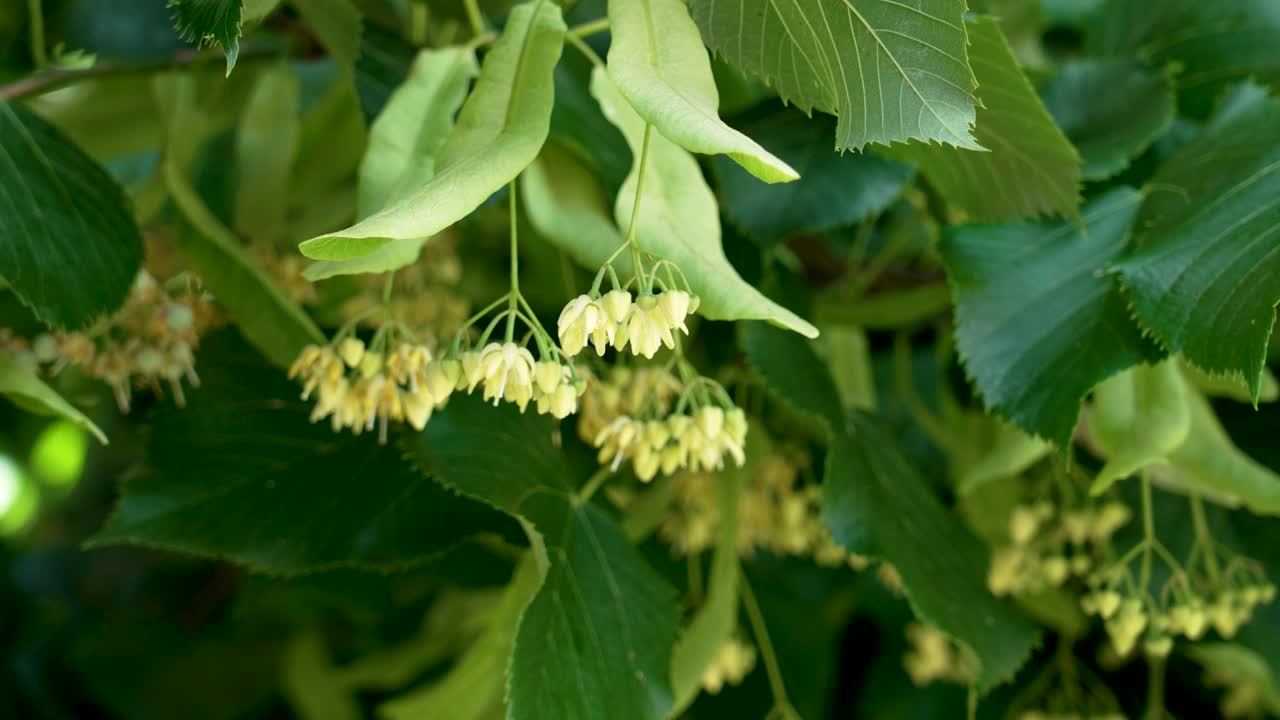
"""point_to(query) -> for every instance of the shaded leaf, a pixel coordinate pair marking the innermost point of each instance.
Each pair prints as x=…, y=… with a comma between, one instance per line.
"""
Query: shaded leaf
x=1038, y=321
x=794, y=372
x=337, y=26
x=203, y=22
x=578, y=124
x=1111, y=111
x=658, y=62
x=242, y=473
x=69, y=246
x=1204, y=276
x=500, y=130
x=266, y=147
x=833, y=190
x=679, y=220
x=21, y=385
x=380, y=67
x=889, y=71
x=876, y=503
x=1030, y=170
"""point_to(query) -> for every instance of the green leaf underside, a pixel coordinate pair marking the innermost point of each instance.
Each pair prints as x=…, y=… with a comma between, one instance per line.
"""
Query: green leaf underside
x=793, y=372
x=203, y=21
x=269, y=320
x=241, y=473
x=21, y=385
x=1205, y=274
x=266, y=147
x=876, y=503
x=1038, y=321
x=69, y=246
x=500, y=130
x=336, y=24
x=834, y=190
x=1031, y=168
x=890, y=71
x=658, y=62
x=1110, y=110
x=1211, y=45
x=680, y=221
x=600, y=629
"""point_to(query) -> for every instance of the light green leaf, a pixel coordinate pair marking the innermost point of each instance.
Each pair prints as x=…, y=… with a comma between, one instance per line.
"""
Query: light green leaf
x=1031, y=168
x=69, y=246
x=876, y=503
x=1233, y=665
x=1110, y=110
x=1011, y=452
x=848, y=354
x=269, y=320
x=473, y=688
x=834, y=190
x=21, y=385
x=679, y=220
x=1137, y=418
x=891, y=71
x=201, y=22
x=500, y=130
x=242, y=473
x=387, y=258
x=266, y=147
x=309, y=681
x=658, y=62
x=1204, y=276
x=330, y=147
x=1038, y=321
x=337, y=26
x=566, y=205
x=601, y=627
x=714, y=622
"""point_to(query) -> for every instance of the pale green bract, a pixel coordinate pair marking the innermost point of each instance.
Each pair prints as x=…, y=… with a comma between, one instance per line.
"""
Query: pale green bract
x=500, y=130
x=266, y=147
x=21, y=385
x=679, y=220
x=891, y=71
x=660, y=65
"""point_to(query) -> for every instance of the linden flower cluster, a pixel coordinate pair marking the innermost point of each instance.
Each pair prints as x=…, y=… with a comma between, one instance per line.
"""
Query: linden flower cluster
x=733, y=661
x=1049, y=547
x=150, y=340
x=933, y=657
x=507, y=371
x=614, y=320
x=426, y=298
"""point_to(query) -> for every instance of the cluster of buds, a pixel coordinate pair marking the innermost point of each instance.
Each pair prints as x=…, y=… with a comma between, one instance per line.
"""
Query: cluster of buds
x=285, y=271
x=507, y=371
x=426, y=298
x=1050, y=547
x=614, y=320
x=149, y=342
x=934, y=657
x=733, y=661
x=676, y=442
x=626, y=391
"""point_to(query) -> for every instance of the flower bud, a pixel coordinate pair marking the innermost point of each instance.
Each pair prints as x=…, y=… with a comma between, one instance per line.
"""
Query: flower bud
x=710, y=420
x=547, y=375
x=564, y=402
x=371, y=364
x=577, y=320
x=442, y=377
x=472, y=371
x=1158, y=645
x=675, y=304
x=1055, y=569
x=351, y=350
x=417, y=409
x=1023, y=524
x=616, y=305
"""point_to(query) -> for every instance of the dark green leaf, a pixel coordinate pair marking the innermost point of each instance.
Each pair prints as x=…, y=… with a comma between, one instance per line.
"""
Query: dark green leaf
x=834, y=189
x=794, y=373
x=1205, y=275
x=383, y=61
x=210, y=21
x=336, y=24
x=601, y=627
x=876, y=503
x=241, y=473
x=1038, y=321
x=1030, y=170
x=576, y=121
x=890, y=71
x=1110, y=110
x=69, y=246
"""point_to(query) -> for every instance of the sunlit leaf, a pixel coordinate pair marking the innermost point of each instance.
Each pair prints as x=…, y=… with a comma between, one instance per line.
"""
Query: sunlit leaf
x=25, y=389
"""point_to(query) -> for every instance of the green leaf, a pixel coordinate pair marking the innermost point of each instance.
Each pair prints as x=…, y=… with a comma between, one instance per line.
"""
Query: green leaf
x=1137, y=418
x=473, y=688
x=679, y=220
x=1011, y=452
x=578, y=124
x=21, y=385
x=500, y=130
x=890, y=71
x=201, y=22
x=834, y=190
x=241, y=473
x=266, y=147
x=1234, y=665
x=876, y=503
x=1111, y=111
x=337, y=26
x=658, y=62
x=1031, y=168
x=69, y=247
x=1210, y=45
x=268, y=319
x=1038, y=321
x=601, y=626
x=794, y=373
x=1205, y=275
